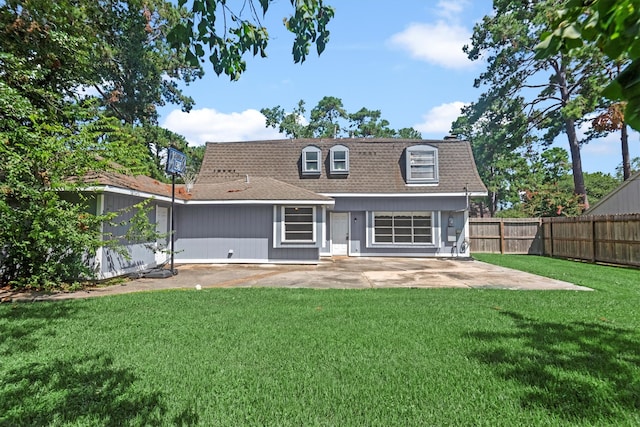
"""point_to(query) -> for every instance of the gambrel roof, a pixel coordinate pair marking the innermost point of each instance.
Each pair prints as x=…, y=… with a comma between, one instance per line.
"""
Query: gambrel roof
x=375, y=165
x=272, y=171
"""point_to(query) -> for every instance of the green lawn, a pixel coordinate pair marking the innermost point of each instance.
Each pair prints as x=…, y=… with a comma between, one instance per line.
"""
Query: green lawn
x=332, y=357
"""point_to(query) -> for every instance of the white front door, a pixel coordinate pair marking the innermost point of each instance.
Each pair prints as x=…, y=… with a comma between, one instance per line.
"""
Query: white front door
x=339, y=233
x=162, y=228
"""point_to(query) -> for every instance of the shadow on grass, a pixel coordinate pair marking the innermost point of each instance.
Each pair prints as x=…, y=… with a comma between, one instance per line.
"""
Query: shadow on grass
x=582, y=372
x=91, y=391
x=22, y=325
x=87, y=389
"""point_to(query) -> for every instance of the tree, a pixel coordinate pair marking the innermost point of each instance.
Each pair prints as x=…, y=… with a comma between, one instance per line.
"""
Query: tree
x=612, y=26
x=50, y=130
x=329, y=119
x=326, y=116
x=46, y=230
x=408, y=133
x=497, y=131
x=135, y=69
x=290, y=124
x=367, y=123
x=599, y=184
x=548, y=188
x=634, y=167
x=507, y=39
x=610, y=120
x=228, y=34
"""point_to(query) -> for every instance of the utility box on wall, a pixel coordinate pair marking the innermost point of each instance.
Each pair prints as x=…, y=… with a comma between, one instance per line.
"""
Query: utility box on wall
x=451, y=234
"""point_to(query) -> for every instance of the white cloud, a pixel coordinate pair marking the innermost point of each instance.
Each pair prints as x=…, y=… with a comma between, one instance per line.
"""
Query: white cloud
x=440, y=43
x=439, y=119
x=450, y=9
x=208, y=125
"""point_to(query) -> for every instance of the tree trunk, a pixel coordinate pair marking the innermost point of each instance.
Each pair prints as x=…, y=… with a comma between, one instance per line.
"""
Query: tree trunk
x=576, y=164
x=492, y=204
x=624, y=140
x=574, y=145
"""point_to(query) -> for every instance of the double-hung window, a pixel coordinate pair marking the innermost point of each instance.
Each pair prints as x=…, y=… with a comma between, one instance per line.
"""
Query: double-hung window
x=402, y=228
x=422, y=164
x=311, y=160
x=299, y=224
x=339, y=160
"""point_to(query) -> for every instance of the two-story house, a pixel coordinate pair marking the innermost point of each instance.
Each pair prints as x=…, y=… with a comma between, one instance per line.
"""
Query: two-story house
x=299, y=200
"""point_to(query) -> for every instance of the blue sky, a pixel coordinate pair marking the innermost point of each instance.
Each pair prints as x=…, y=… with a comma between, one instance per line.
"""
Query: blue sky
x=402, y=58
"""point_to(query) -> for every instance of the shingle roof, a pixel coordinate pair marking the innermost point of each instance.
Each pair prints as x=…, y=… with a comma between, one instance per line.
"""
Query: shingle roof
x=257, y=188
x=138, y=183
x=376, y=165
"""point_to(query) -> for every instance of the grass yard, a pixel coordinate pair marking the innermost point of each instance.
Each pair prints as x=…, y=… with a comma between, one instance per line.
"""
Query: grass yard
x=332, y=357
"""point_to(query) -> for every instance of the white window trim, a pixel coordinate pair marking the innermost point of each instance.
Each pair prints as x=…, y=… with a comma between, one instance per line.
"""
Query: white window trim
x=426, y=148
x=311, y=149
x=283, y=227
x=332, y=151
x=371, y=235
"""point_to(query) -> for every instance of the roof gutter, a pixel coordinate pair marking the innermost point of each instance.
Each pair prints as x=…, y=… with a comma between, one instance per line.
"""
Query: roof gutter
x=461, y=194
x=146, y=195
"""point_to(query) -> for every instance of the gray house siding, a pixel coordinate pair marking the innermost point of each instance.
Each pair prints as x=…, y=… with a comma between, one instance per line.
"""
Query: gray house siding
x=623, y=200
x=361, y=210
x=235, y=234
x=217, y=233
x=139, y=256
x=380, y=203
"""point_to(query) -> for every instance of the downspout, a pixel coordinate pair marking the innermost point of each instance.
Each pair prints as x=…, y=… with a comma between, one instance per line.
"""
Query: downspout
x=464, y=246
x=100, y=251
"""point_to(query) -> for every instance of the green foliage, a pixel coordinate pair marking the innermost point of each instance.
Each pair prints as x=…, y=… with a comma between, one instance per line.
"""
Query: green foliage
x=291, y=124
x=612, y=26
x=329, y=119
x=599, y=184
x=408, y=133
x=133, y=53
x=367, y=123
x=548, y=188
x=48, y=230
x=557, y=91
x=634, y=168
x=135, y=69
x=497, y=131
x=325, y=116
x=43, y=239
x=228, y=34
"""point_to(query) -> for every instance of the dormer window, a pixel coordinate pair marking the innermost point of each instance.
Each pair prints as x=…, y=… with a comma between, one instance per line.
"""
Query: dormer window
x=422, y=164
x=311, y=160
x=339, y=160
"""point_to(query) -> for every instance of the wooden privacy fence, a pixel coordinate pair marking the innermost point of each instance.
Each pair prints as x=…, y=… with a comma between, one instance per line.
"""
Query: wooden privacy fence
x=613, y=239
x=506, y=235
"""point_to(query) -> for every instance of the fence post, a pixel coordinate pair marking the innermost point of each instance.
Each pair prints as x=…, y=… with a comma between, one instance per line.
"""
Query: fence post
x=541, y=228
x=593, y=240
x=550, y=237
x=502, y=236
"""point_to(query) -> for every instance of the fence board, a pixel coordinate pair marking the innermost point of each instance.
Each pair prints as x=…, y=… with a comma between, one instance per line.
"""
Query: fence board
x=506, y=235
x=612, y=239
